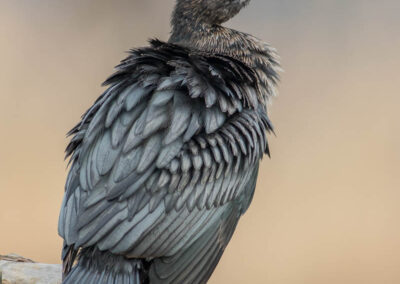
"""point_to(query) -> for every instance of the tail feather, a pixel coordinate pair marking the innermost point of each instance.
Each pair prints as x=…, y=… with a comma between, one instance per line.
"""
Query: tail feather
x=95, y=266
x=69, y=254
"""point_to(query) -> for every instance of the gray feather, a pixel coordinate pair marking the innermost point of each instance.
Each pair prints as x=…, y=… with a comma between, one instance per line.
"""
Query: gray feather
x=114, y=239
x=161, y=98
x=127, y=164
x=156, y=122
x=214, y=119
x=184, y=180
x=197, y=162
x=168, y=153
x=180, y=119
x=206, y=158
x=210, y=97
x=118, y=131
x=185, y=162
x=106, y=154
x=216, y=154
x=135, y=94
x=174, y=183
x=164, y=179
x=113, y=112
x=134, y=136
x=138, y=183
x=137, y=231
x=128, y=118
x=150, y=152
x=194, y=126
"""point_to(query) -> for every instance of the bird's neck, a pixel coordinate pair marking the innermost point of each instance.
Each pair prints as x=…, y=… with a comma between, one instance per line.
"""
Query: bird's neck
x=207, y=38
x=215, y=39
x=241, y=46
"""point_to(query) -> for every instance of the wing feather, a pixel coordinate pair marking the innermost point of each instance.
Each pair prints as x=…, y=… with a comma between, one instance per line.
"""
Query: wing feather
x=161, y=155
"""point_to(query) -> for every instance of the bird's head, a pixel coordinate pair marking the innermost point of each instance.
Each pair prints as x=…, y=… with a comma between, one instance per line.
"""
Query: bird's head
x=212, y=12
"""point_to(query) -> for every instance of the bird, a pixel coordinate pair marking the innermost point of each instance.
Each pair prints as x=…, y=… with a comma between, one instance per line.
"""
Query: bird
x=165, y=162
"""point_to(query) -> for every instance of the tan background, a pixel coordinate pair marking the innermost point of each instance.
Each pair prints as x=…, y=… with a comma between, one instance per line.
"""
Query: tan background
x=326, y=209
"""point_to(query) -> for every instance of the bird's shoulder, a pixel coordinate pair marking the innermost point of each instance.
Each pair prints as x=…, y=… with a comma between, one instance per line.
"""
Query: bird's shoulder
x=213, y=83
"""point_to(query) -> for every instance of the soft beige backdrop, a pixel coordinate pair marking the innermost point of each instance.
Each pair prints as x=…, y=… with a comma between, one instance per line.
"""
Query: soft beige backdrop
x=326, y=210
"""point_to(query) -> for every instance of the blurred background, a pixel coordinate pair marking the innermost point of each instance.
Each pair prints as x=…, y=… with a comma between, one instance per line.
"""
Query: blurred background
x=326, y=209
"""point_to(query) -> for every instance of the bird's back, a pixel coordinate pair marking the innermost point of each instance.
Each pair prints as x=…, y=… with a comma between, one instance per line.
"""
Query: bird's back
x=163, y=165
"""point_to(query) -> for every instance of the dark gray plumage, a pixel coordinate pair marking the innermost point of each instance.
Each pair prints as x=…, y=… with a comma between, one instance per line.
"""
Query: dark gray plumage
x=166, y=160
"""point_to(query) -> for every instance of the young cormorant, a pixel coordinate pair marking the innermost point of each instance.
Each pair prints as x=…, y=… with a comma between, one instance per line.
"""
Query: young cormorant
x=165, y=161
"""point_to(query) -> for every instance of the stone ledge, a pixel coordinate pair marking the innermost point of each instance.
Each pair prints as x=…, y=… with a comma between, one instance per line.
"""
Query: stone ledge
x=15, y=269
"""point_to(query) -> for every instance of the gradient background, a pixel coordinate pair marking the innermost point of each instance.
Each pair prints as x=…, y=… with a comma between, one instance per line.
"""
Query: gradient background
x=326, y=209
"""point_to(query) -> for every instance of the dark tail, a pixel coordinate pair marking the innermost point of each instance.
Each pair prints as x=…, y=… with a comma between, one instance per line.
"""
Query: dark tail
x=95, y=267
